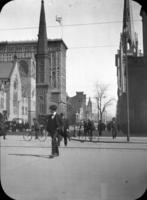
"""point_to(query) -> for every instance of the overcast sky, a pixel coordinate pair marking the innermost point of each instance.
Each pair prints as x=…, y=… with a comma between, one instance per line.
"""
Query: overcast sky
x=91, y=30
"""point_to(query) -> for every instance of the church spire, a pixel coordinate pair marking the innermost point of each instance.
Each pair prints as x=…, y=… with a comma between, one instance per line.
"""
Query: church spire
x=128, y=33
x=42, y=36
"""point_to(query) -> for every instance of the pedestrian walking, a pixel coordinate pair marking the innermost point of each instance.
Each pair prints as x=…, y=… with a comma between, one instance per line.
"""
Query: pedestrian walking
x=36, y=127
x=65, y=128
x=114, y=128
x=85, y=125
x=90, y=128
x=53, y=127
x=3, y=125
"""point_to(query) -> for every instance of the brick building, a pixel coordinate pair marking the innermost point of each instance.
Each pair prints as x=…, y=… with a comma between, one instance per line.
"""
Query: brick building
x=76, y=110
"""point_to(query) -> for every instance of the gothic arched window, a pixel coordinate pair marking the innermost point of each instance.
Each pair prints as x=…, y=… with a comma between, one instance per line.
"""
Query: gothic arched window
x=23, y=68
x=54, y=79
x=15, y=96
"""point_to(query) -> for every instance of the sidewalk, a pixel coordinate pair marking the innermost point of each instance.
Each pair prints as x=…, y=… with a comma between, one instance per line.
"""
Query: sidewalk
x=83, y=171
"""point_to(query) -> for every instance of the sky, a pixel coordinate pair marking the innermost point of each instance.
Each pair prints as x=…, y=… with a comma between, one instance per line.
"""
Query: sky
x=90, y=29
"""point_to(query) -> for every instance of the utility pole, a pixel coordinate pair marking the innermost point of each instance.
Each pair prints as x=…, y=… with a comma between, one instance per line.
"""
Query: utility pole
x=127, y=87
x=128, y=100
x=126, y=35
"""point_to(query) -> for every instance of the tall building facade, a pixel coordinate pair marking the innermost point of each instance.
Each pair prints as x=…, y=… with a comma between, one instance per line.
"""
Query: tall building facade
x=42, y=65
x=76, y=111
x=50, y=71
x=132, y=76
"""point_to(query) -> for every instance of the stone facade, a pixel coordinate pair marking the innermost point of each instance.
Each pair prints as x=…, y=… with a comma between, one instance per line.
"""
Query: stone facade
x=27, y=69
x=2, y=97
x=14, y=101
x=53, y=91
x=42, y=66
x=50, y=71
x=132, y=85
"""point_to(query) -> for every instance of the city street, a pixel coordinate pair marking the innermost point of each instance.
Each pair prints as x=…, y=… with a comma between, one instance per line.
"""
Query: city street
x=100, y=170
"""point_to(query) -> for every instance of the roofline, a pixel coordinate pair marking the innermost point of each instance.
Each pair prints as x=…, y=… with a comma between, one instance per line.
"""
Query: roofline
x=4, y=78
x=33, y=41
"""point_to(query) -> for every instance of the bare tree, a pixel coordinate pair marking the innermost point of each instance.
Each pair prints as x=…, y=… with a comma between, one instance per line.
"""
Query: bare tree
x=102, y=99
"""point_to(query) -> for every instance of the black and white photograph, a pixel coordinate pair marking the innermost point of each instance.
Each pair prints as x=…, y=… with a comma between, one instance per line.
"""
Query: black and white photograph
x=73, y=99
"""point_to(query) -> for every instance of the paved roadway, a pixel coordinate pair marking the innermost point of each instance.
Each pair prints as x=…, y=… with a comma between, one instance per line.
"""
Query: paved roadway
x=103, y=170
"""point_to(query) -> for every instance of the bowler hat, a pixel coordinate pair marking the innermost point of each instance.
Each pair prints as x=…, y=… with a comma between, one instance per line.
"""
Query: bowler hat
x=53, y=107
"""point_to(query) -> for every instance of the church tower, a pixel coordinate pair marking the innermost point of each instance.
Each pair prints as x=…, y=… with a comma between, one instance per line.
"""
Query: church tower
x=50, y=71
x=42, y=66
x=128, y=37
x=89, y=109
x=128, y=46
x=131, y=77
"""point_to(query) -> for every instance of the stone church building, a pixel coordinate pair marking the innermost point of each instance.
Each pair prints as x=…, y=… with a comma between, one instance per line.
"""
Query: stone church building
x=42, y=68
x=11, y=99
x=132, y=76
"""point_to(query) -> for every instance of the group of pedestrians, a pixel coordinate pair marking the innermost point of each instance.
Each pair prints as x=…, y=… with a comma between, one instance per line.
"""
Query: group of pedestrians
x=3, y=126
x=88, y=128
x=111, y=127
x=58, y=127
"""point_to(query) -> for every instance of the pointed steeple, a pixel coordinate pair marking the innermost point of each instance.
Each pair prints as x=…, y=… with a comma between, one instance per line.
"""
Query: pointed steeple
x=128, y=27
x=89, y=102
x=42, y=36
x=143, y=14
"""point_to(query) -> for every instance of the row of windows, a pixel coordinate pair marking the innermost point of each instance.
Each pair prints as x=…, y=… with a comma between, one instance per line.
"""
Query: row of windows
x=1, y=103
x=18, y=49
x=41, y=108
x=24, y=110
x=54, y=59
x=53, y=80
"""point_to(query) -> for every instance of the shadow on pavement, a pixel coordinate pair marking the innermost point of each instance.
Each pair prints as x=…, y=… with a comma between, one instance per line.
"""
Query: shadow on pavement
x=35, y=155
x=109, y=141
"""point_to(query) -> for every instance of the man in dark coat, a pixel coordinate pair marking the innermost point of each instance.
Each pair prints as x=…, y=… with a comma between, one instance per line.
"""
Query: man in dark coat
x=53, y=127
x=64, y=129
x=90, y=128
x=3, y=126
x=114, y=127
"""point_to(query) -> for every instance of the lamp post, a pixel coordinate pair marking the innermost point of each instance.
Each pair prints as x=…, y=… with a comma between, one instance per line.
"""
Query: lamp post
x=128, y=111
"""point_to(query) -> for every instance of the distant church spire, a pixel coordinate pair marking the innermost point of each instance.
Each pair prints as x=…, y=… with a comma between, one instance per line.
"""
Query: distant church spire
x=42, y=36
x=128, y=34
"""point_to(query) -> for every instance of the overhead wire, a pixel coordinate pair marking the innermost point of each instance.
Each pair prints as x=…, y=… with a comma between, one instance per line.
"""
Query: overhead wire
x=66, y=25
x=73, y=25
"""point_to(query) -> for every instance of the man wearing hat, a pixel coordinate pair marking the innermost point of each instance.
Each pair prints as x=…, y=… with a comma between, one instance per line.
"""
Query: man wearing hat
x=53, y=126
